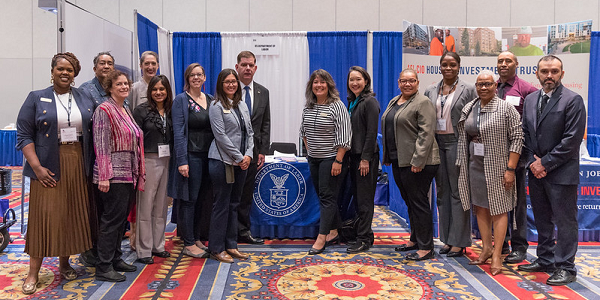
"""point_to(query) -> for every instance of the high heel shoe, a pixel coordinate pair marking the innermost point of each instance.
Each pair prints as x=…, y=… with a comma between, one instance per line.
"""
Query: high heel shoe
x=445, y=249
x=458, y=253
x=333, y=241
x=314, y=251
x=481, y=260
x=495, y=270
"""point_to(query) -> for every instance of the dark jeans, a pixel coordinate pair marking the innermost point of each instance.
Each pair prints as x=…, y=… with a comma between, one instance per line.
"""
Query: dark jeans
x=327, y=188
x=363, y=190
x=115, y=208
x=224, y=221
x=246, y=201
x=414, y=189
x=190, y=211
x=518, y=236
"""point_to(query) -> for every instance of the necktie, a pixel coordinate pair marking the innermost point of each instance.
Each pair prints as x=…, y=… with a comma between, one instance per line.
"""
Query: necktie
x=543, y=105
x=501, y=90
x=248, y=100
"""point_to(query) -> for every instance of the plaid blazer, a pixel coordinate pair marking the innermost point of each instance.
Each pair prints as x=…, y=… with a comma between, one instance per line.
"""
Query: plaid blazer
x=501, y=133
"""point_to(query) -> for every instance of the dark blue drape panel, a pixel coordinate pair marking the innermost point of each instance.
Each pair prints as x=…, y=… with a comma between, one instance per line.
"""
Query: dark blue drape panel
x=336, y=52
x=593, y=133
x=201, y=47
x=147, y=34
x=387, y=64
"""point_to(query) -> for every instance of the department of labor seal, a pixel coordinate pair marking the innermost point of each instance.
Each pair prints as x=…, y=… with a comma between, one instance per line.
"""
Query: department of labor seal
x=280, y=189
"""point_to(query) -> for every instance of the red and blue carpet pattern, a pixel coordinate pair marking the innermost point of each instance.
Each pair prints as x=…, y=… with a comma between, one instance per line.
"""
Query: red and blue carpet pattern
x=281, y=269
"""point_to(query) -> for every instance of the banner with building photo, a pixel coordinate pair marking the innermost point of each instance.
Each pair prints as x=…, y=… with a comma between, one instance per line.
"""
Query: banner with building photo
x=479, y=47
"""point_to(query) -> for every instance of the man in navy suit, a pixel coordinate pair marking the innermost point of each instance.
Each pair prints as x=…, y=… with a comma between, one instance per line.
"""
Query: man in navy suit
x=256, y=97
x=554, y=123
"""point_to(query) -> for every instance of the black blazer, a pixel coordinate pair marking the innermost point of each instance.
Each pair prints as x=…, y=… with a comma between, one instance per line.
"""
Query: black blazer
x=365, y=121
x=557, y=135
x=152, y=125
x=261, y=121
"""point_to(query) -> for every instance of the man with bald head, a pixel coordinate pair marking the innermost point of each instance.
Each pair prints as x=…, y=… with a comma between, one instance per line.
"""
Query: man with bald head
x=514, y=90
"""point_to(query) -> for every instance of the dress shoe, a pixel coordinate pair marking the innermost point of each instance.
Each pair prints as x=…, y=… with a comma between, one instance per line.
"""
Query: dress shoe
x=187, y=252
x=235, y=253
x=358, y=247
x=406, y=247
x=222, y=257
x=445, y=249
x=88, y=259
x=249, y=239
x=415, y=256
x=505, y=250
x=314, y=251
x=458, y=253
x=69, y=274
x=146, y=260
x=536, y=267
x=333, y=241
x=163, y=254
x=122, y=266
x=561, y=277
x=515, y=257
x=112, y=276
x=482, y=259
x=30, y=288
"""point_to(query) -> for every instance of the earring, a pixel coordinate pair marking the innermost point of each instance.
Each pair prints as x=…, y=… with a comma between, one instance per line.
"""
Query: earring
x=51, y=79
x=73, y=83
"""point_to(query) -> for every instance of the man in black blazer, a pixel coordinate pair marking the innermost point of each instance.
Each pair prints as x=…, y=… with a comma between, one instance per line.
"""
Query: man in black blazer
x=256, y=98
x=554, y=123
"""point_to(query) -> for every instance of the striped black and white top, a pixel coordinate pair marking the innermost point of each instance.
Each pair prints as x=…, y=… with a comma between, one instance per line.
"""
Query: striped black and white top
x=326, y=128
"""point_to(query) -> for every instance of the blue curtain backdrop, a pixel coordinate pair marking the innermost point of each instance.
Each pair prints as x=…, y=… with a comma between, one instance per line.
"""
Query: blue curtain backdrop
x=336, y=52
x=201, y=47
x=593, y=133
x=147, y=34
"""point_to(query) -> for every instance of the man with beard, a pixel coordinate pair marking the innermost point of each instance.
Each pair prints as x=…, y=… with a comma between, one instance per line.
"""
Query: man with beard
x=554, y=123
x=514, y=90
x=522, y=45
x=436, y=47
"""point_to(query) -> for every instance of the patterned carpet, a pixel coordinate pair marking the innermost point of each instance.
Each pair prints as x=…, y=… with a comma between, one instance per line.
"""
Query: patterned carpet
x=281, y=269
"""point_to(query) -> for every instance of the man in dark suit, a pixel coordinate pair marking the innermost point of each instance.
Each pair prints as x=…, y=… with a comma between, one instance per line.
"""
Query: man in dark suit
x=256, y=98
x=554, y=123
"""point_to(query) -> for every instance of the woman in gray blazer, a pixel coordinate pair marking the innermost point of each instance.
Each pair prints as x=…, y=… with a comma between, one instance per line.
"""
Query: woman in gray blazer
x=449, y=96
x=229, y=157
x=409, y=145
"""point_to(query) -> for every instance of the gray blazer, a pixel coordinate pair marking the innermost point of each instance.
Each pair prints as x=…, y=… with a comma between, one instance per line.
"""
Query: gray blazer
x=227, y=129
x=463, y=94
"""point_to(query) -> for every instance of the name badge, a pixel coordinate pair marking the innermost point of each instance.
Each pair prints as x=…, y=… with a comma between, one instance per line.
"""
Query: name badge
x=226, y=111
x=478, y=149
x=163, y=151
x=68, y=134
x=514, y=100
x=46, y=100
x=441, y=124
x=323, y=114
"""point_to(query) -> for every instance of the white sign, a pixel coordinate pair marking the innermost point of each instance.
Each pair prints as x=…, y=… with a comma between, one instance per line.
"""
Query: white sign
x=265, y=45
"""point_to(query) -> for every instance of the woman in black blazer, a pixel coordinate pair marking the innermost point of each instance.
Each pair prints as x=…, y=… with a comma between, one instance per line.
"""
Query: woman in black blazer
x=364, y=154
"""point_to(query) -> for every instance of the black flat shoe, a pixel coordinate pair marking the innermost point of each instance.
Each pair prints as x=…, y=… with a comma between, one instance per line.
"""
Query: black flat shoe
x=561, y=277
x=111, y=276
x=405, y=247
x=445, y=249
x=415, y=256
x=146, y=260
x=314, y=251
x=515, y=257
x=333, y=241
x=458, y=253
x=358, y=247
x=122, y=266
x=163, y=254
x=535, y=266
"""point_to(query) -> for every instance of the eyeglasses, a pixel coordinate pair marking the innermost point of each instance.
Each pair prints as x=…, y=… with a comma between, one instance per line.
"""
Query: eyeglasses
x=199, y=75
x=232, y=82
x=486, y=84
x=409, y=81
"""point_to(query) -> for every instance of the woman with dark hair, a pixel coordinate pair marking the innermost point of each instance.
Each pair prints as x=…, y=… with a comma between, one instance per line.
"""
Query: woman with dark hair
x=119, y=170
x=193, y=135
x=364, y=154
x=154, y=117
x=408, y=126
x=229, y=158
x=53, y=131
x=449, y=96
x=326, y=132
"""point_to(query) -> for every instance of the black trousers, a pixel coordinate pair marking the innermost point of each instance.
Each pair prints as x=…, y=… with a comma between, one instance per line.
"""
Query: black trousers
x=327, y=188
x=363, y=190
x=246, y=201
x=555, y=205
x=518, y=236
x=115, y=208
x=414, y=189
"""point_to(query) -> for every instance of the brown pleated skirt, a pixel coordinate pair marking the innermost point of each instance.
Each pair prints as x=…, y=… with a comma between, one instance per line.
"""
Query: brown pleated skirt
x=58, y=223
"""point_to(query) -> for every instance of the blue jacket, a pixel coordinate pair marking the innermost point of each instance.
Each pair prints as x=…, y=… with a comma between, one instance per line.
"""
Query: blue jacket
x=37, y=124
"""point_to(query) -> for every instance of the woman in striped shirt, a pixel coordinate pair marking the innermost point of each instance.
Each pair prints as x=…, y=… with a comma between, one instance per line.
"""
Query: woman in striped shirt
x=326, y=133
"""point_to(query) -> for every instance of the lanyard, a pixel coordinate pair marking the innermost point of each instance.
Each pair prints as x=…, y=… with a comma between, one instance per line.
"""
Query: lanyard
x=440, y=88
x=69, y=109
x=478, y=120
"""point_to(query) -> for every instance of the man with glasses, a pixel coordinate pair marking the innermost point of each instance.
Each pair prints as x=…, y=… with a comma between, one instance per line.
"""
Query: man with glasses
x=256, y=98
x=554, y=124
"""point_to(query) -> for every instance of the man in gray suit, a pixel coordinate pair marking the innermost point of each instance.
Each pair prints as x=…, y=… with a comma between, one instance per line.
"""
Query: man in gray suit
x=554, y=123
x=256, y=97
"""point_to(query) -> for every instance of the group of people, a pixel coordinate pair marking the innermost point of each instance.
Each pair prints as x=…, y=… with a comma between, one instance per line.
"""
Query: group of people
x=93, y=160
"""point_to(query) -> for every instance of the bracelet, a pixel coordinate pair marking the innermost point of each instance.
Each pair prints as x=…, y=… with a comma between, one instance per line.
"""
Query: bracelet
x=510, y=169
x=337, y=161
